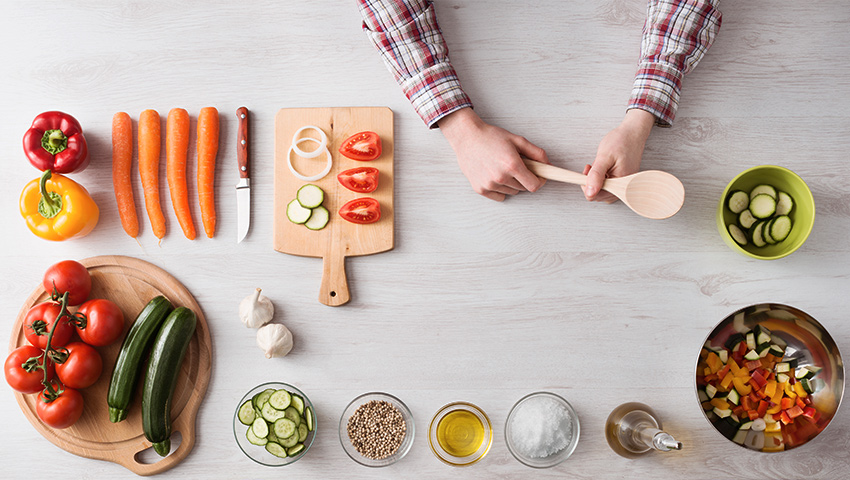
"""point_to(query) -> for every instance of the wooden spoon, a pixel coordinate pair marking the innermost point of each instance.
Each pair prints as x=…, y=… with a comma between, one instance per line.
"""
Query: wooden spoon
x=652, y=193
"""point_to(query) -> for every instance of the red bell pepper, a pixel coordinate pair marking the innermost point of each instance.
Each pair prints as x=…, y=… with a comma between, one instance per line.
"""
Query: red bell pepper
x=55, y=142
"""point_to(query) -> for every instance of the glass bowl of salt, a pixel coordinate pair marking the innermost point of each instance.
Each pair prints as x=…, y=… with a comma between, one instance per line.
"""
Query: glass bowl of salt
x=542, y=430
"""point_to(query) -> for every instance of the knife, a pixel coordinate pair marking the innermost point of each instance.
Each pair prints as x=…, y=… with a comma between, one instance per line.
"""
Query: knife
x=243, y=188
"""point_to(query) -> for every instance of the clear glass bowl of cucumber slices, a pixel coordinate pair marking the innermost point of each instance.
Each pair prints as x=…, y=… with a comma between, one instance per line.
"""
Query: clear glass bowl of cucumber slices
x=274, y=424
x=766, y=212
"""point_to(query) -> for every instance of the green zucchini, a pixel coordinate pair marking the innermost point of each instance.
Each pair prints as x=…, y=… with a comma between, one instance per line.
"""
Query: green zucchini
x=129, y=361
x=167, y=354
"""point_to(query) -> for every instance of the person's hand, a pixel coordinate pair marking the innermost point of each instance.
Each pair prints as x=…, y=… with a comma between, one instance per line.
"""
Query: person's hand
x=491, y=157
x=619, y=154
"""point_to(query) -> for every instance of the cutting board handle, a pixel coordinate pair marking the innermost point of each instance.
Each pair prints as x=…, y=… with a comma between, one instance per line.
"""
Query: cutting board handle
x=334, y=289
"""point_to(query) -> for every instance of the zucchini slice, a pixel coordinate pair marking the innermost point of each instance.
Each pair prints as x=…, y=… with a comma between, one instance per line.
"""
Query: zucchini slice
x=756, y=234
x=319, y=219
x=737, y=234
x=738, y=201
x=765, y=233
x=746, y=219
x=780, y=227
x=784, y=203
x=296, y=213
x=763, y=189
x=310, y=196
x=762, y=206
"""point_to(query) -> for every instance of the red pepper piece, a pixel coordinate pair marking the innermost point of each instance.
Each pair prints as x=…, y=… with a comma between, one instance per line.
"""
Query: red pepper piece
x=785, y=418
x=55, y=142
x=809, y=412
x=794, y=411
x=763, y=408
x=801, y=403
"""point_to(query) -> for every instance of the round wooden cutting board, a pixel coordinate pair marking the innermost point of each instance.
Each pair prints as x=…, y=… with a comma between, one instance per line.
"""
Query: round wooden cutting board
x=130, y=283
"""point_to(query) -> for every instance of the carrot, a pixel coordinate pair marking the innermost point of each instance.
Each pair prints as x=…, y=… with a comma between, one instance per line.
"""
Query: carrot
x=176, y=152
x=149, y=152
x=122, y=162
x=207, y=150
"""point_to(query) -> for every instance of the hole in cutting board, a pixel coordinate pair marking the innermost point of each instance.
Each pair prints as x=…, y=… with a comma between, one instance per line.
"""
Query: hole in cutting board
x=149, y=456
x=333, y=294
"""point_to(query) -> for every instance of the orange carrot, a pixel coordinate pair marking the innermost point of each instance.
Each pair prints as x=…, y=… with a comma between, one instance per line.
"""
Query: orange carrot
x=149, y=152
x=122, y=162
x=207, y=150
x=176, y=153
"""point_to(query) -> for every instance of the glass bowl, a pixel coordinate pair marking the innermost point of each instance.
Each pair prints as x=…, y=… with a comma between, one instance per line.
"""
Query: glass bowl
x=556, y=457
x=406, y=442
x=807, y=345
x=448, y=414
x=256, y=452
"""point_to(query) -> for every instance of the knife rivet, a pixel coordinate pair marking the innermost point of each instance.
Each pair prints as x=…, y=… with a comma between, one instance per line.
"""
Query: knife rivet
x=242, y=116
x=243, y=142
x=243, y=169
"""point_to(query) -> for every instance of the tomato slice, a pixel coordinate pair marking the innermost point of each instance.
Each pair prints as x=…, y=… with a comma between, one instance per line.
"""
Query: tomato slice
x=360, y=179
x=363, y=146
x=361, y=210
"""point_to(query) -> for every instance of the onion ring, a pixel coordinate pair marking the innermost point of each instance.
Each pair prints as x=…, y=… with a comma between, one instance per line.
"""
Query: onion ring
x=323, y=142
x=304, y=177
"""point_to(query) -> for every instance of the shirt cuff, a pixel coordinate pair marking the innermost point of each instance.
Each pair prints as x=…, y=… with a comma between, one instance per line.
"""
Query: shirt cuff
x=435, y=92
x=656, y=89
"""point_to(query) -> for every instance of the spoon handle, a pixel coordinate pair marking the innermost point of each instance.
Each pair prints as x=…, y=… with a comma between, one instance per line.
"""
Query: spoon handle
x=551, y=172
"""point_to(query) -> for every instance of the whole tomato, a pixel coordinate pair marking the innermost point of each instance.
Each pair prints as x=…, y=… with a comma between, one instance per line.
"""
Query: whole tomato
x=104, y=322
x=82, y=367
x=20, y=379
x=39, y=321
x=63, y=411
x=68, y=276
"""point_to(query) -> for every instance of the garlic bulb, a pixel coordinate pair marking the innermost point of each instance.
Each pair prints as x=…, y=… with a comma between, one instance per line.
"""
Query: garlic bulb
x=256, y=310
x=275, y=340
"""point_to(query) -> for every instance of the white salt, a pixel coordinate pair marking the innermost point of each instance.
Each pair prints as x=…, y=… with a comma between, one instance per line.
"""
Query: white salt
x=540, y=427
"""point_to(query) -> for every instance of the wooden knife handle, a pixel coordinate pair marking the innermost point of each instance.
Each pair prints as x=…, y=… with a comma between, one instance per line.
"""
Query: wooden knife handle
x=242, y=143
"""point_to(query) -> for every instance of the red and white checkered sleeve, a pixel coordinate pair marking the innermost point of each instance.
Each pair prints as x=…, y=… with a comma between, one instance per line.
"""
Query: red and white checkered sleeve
x=412, y=46
x=676, y=36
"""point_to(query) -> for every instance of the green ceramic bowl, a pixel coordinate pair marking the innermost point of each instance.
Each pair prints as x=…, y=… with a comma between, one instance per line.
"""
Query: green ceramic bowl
x=802, y=215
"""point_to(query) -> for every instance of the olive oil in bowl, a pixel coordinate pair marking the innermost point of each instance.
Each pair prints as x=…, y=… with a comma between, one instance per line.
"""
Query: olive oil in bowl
x=460, y=434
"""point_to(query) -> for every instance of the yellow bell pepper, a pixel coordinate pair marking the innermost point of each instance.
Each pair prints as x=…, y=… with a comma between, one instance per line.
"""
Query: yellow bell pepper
x=58, y=208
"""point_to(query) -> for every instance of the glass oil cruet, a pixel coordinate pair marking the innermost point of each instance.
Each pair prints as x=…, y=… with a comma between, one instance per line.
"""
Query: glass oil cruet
x=633, y=429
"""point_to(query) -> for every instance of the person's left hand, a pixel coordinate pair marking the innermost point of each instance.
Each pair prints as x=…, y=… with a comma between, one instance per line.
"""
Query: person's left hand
x=619, y=154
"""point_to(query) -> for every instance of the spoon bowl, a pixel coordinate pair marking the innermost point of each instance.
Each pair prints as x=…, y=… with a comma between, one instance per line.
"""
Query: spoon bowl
x=651, y=193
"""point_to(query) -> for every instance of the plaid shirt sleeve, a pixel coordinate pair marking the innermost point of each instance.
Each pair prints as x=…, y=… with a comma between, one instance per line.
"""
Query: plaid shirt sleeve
x=412, y=46
x=676, y=36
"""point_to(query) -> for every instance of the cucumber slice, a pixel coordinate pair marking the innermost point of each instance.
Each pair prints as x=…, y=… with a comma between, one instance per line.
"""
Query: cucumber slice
x=763, y=206
x=272, y=437
x=284, y=428
x=763, y=189
x=318, y=219
x=308, y=417
x=276, y=450
x=246, y=413
x=280, y=400
x=261, y=398
x=255, y=440
x=296, y=213
x=270, y=413
x=260, y=428
x=302, y=432
x=295, y=450
x=310, y=196
x=737, y=234
x=780, y=227
x=784, y=203
x=298, y=403
x=738, y=201
x=290, y=441
x=292, y=414
x=746, y=219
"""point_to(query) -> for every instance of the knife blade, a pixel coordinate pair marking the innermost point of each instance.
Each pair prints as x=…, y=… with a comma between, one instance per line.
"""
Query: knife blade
x=243, y=188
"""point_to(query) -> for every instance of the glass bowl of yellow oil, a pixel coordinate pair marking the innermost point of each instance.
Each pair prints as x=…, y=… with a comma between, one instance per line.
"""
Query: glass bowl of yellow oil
x=460, y=434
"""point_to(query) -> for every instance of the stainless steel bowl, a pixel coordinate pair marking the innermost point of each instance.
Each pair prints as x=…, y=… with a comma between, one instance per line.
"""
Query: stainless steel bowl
x=807, y=341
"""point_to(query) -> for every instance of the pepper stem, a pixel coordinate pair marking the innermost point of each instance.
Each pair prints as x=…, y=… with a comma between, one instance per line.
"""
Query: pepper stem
x=54, y=141
x=51, y=202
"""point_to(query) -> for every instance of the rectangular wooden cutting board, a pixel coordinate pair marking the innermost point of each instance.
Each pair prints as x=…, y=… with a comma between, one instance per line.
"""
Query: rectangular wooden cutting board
x=340, y=238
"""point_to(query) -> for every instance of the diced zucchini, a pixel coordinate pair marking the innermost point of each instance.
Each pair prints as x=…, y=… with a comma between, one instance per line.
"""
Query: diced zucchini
x=784, y=203
x=776, y=351
x=803, y=372
x=782, y=378
x=734, y=339
x=746, y=425
x=710, y=390
x=752, y=355
x=733, y=397
x=814, y=369
x=763, y=350
x=310, y=196
x=738, y=201
x=763, y=206
x=782, y=367
x=722, y=412
x=723, y=355
x=246, y=413
x=763, y=189
x=751, y=341
x=807, y=385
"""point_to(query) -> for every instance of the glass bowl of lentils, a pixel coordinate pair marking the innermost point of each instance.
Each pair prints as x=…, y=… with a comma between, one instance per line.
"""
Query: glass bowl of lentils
x=376, y=429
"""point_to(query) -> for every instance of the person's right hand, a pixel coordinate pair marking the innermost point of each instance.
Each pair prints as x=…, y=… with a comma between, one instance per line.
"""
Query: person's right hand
x=491, y=157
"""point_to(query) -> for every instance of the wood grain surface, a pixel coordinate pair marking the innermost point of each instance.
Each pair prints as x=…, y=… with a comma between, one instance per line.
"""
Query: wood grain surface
x=130, y=283
x=340, y=238
x=478, y=301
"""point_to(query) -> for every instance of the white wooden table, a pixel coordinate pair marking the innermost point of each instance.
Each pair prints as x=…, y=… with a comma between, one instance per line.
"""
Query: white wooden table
x=479, y=301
